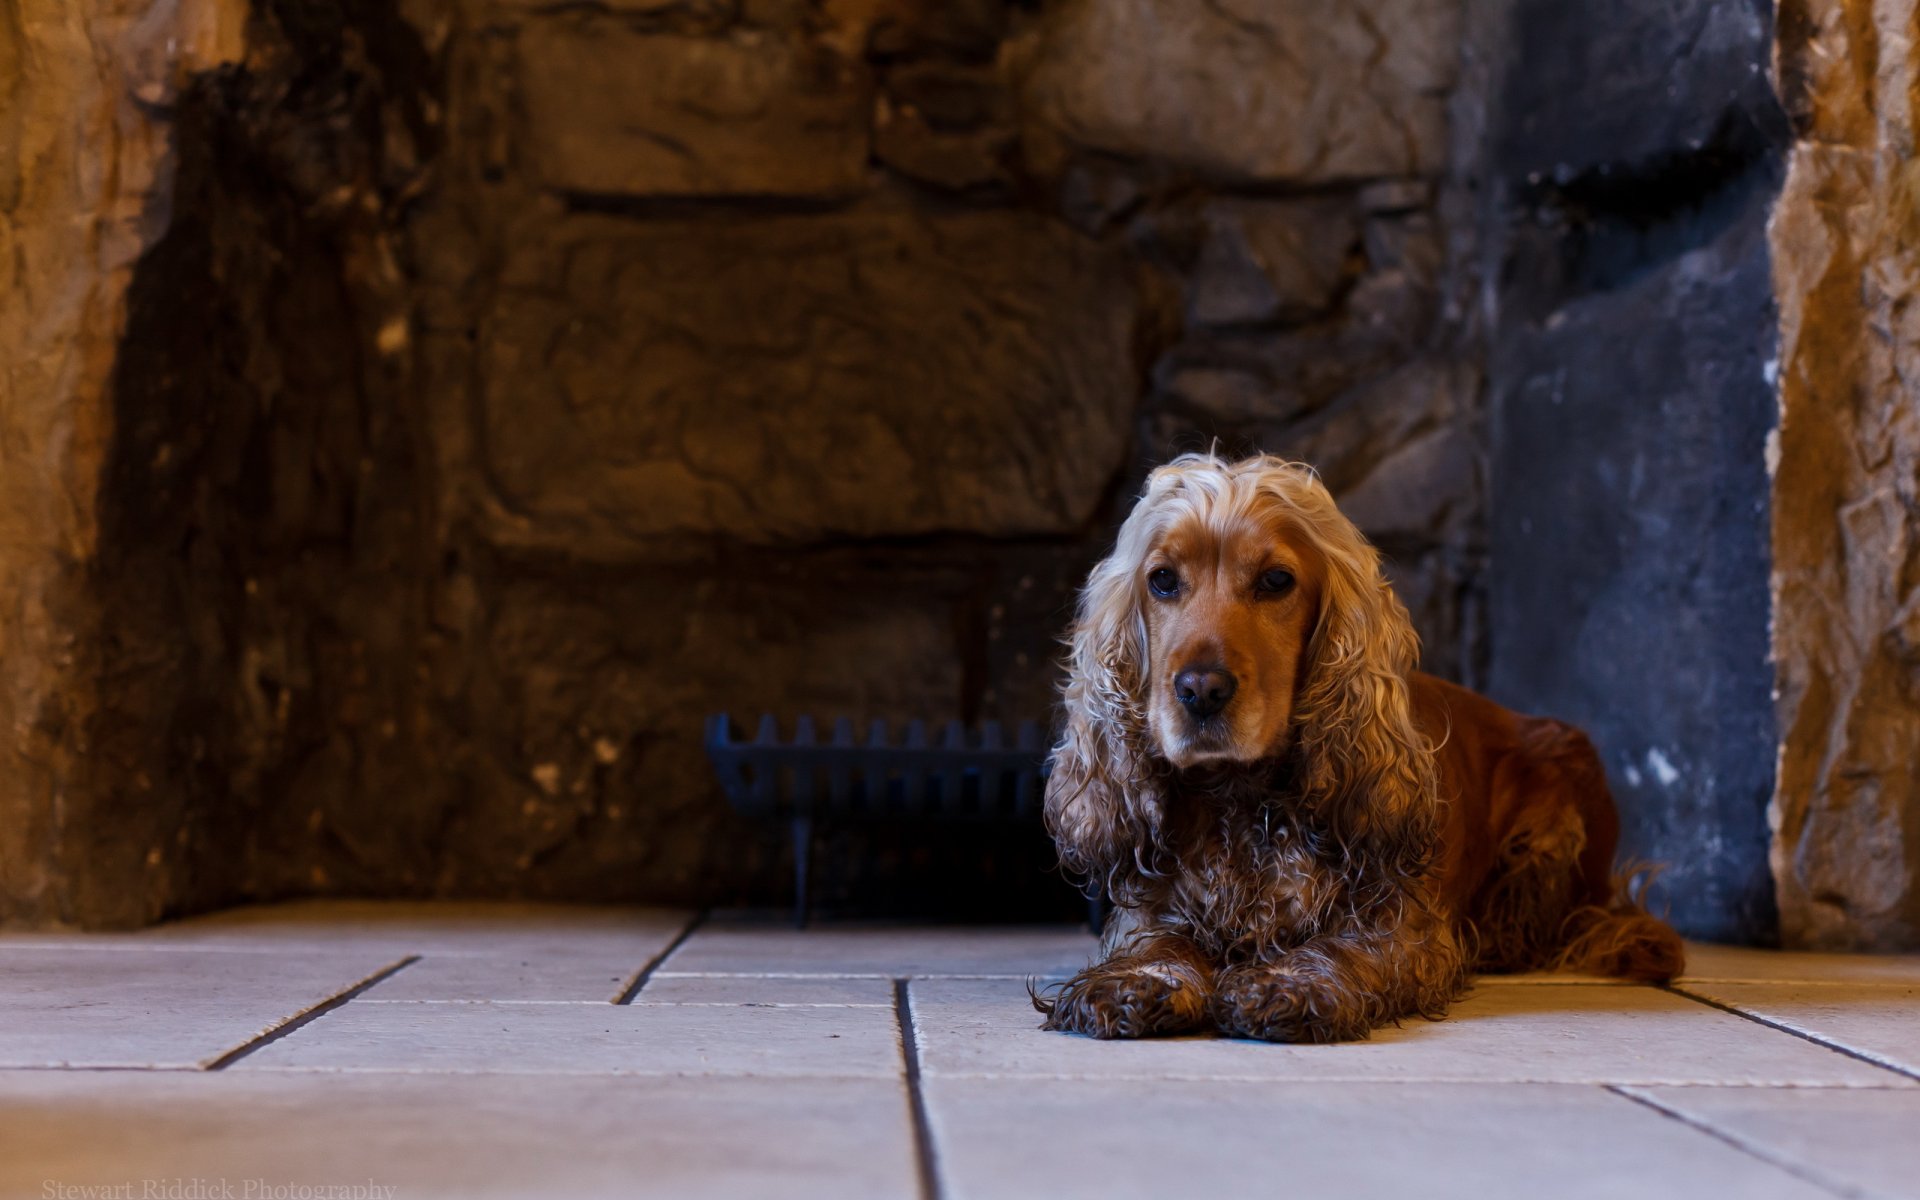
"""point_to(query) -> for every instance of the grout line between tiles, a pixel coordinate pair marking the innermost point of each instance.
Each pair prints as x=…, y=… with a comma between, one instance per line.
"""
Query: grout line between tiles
x=1803, y=1035
x=1800, y=1171
x=640, y=977
x=923, y=1147
x=310, y=1016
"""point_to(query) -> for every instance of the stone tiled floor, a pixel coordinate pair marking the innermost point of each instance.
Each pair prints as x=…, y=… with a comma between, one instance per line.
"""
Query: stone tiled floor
x=496, y=1051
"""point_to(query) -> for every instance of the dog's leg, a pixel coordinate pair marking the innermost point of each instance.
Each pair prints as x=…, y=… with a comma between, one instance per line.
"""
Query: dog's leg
x=1154, y=983
x=1518, y=914
x=1342, y=987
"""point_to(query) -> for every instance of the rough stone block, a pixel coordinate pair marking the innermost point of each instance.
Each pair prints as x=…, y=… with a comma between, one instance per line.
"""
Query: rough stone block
x=611, y=110
x=1846, y=506
x=800, y=378
x=1268, y=260
x=1309, y=92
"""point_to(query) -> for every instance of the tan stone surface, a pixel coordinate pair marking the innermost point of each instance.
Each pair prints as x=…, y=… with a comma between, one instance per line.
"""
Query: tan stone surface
x=1302, y=92
x=64, y=1007
x=776, y=990
x=1568, y=1034
x=1852, y=1142
x=464, y=951
x=1008, y=1138
x=1880, y=1022
x=795, y=1085
x=1846, y=499
x=758, y=948
x=593, y=1039
x=529, y=977
x=762, y=112
x=85, y=179
x=462, y=1137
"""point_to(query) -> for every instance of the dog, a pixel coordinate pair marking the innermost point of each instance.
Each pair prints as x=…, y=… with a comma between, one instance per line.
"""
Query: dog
x=1303, y=837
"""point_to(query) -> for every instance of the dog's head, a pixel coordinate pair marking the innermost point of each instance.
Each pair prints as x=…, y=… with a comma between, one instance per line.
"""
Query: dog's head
x=1239, y=618
x=1230, y=591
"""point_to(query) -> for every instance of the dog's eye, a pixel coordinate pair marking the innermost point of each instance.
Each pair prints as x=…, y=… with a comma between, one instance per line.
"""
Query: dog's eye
x=1274, y=582
x=1164, y=583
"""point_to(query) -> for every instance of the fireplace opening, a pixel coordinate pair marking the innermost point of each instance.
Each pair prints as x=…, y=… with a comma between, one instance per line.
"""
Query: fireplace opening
x=444, y=408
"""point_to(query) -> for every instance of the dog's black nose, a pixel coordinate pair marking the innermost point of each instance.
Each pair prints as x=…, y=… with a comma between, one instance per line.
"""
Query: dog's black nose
x=1204, y=690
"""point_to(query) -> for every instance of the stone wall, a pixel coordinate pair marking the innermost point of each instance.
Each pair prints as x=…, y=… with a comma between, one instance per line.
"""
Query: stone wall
x=513, y=385
x=1846, y=509
x=446, y=404
x=822, y=399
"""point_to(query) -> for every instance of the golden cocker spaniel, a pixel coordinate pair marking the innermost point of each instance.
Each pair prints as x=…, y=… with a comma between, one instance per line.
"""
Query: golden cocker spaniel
x=1304, y=838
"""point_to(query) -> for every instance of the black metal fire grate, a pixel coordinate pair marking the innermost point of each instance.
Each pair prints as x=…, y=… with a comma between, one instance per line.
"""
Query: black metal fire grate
x=966, y=775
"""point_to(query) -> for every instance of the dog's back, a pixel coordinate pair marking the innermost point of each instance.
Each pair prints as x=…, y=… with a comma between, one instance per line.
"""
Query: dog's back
x=1526, y=859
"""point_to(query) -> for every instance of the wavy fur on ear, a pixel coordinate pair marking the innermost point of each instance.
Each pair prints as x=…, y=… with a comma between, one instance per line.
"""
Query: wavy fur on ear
x=1366, y=771
x=1104, y=796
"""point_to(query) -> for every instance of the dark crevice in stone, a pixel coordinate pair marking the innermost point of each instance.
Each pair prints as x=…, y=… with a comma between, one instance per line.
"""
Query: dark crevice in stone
x=261, y=498
x=1617, y=221
x=654, y=208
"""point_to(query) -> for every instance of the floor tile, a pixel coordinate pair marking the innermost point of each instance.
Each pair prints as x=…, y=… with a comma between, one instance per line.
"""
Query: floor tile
x=1116, y=1139
x=758, y=949
x=1881, y=1021
x=1850, y=1139
x=644, y=1039
x=1706, y=961
x=585, y=976
x=130, y=1008
x=1570, y=1034
x=460, y=1137
x=764, y=989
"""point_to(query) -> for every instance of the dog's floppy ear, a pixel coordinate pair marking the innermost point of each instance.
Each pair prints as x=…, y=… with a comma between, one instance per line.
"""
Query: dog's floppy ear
x=1103, y=802
x=1366, y=771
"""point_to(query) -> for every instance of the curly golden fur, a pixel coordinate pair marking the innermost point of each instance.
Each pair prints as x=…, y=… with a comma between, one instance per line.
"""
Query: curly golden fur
x=1303, y=836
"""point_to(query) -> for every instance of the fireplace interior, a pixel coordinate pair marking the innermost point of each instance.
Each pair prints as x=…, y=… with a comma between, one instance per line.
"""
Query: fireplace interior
x=422, y=416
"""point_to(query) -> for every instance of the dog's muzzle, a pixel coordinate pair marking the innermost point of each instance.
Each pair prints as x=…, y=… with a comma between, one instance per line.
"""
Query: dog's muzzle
x=1204, y=691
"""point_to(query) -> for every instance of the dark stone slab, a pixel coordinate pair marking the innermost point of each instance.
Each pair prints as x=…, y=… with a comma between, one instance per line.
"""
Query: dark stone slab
x=1628, y=584
x=1630, y=409
x=1632, y=81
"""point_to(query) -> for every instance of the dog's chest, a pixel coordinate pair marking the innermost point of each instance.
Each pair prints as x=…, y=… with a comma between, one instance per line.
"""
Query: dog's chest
x=1253, y=883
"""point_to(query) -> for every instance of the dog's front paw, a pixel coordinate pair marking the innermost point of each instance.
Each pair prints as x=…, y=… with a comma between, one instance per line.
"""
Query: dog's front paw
x=1277, y=1005
x=1142, y=1000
